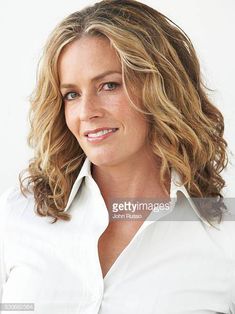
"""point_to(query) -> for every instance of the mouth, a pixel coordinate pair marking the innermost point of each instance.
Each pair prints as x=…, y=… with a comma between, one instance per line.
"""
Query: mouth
x=100, y=134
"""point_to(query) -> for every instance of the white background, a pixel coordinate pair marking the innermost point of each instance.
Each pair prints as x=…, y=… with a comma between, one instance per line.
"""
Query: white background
x=25, y=25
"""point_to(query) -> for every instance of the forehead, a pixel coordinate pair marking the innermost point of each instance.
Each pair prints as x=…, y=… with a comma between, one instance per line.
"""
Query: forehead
x=89, y=56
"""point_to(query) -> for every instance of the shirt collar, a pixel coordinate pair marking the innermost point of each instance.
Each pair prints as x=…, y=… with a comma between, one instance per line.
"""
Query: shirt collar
x=84, y=172
x=176, y=185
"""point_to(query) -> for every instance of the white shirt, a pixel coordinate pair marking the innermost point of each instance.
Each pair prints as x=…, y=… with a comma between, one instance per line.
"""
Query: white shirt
x=168, y=267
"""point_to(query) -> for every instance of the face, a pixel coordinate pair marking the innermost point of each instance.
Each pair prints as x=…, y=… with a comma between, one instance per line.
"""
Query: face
x=97, y=109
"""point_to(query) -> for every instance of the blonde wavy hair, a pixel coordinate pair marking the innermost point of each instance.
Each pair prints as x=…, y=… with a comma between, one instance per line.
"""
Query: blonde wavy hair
x=186, y=129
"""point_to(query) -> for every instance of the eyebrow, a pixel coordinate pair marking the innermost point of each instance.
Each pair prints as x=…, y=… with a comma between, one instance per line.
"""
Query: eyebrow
x=96, y=78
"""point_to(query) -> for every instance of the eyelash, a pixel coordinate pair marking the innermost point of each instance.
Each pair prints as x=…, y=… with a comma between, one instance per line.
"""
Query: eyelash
x=65, y=96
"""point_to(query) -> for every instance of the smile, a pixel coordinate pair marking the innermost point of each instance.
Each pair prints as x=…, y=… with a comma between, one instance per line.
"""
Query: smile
x=100, y=135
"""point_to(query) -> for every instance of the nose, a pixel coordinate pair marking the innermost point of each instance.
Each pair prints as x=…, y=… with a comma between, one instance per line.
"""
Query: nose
x=90, y=107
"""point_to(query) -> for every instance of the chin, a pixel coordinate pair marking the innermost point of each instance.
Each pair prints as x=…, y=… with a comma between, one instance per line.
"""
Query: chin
x=103, y=159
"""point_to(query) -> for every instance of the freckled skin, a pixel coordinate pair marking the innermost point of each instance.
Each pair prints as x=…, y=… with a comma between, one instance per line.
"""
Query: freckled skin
x=96, y=106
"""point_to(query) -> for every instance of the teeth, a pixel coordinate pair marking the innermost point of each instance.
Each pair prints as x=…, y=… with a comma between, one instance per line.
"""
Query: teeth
x=100, y=133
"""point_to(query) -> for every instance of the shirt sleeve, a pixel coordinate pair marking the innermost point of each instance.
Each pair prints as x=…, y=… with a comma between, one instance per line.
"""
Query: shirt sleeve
x=4, y=212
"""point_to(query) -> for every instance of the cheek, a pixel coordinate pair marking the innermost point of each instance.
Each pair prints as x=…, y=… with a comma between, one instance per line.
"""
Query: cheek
x=140, y=130
x=137, y=123
x=130, y=115
x=70, y=119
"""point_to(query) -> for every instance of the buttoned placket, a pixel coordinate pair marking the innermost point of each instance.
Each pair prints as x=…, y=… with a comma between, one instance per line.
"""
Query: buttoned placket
x=102, y=220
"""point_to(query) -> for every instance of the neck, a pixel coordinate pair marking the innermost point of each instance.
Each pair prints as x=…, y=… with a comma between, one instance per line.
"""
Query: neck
x=135, y=178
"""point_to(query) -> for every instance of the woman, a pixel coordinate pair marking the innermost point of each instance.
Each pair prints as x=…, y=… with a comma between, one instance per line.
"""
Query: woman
x=119, y=112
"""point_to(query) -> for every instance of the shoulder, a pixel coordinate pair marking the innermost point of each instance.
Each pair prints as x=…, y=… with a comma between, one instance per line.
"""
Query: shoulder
x=5, y=200
x=4, y=196
x=223, y=236
x=13, y=203
x=227, y=228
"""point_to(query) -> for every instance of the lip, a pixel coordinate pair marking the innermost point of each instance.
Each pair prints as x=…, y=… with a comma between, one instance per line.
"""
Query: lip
x=100, y=138
x=97, y=130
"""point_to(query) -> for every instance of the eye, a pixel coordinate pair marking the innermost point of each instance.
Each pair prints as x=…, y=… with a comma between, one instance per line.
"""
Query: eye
x=73, y=95
x=112, y=84
x=70, y=96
